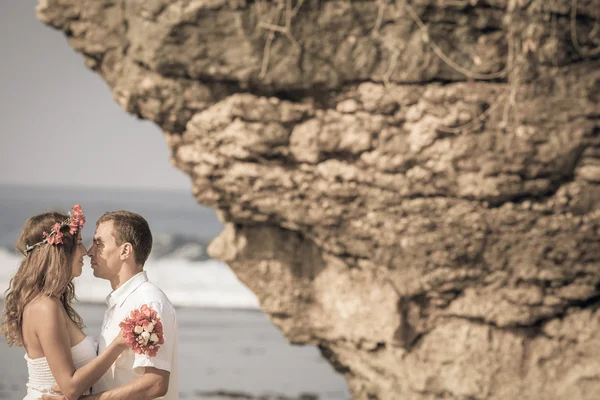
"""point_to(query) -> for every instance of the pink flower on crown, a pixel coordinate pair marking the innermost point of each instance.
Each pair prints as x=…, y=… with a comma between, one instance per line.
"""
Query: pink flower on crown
x=58, y=234
x=55, y=236
x=58, y=238
x=49, y=239
x=75, y=222
x=77, y=219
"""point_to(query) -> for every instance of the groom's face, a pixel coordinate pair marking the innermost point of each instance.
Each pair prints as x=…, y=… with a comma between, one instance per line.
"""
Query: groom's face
x=104, y=253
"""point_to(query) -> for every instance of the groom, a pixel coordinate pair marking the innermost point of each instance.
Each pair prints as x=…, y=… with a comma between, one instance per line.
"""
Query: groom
x=122, y=244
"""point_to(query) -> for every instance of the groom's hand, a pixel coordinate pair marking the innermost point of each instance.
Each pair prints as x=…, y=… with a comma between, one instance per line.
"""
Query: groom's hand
x=63, y=397
x=58, y=394
x=53, y=397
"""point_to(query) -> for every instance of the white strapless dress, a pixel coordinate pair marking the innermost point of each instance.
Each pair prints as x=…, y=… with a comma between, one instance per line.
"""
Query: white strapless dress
x=40, y=377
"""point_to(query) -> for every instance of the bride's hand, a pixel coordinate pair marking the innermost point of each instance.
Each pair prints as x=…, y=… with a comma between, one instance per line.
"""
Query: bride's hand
x=120, y=342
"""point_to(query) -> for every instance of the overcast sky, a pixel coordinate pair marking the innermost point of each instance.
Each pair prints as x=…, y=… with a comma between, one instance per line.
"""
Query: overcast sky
x=60, y=124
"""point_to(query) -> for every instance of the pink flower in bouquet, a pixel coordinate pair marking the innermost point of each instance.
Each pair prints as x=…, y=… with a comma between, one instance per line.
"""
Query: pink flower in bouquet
x=143, y=331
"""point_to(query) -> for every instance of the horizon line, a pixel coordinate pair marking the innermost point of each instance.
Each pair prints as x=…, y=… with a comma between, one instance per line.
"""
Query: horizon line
x=95, y=187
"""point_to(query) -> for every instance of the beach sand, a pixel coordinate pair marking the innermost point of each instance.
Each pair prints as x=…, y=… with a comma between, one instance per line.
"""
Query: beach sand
x=223, y=354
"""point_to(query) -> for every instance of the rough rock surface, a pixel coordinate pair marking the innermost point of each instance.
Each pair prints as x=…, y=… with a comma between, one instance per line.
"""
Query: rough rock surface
x=412, y=186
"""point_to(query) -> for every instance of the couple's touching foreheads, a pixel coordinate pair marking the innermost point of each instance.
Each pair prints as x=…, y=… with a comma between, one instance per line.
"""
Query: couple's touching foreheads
x=135, y=353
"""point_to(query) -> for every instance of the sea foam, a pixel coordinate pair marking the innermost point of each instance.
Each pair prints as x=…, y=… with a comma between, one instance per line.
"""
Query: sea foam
x=207, y=283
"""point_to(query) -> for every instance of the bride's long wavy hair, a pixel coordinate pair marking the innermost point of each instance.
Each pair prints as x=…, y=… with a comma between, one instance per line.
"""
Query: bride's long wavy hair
x=45, y=271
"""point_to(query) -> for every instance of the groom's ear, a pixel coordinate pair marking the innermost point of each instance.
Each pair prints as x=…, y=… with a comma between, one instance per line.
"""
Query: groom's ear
x=126, y=251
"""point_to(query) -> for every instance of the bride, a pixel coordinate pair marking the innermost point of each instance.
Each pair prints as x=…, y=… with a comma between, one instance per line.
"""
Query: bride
x=38, y=311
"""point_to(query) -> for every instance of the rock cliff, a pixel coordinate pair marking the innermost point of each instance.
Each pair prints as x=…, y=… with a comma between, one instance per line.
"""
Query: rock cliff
x=413, y=186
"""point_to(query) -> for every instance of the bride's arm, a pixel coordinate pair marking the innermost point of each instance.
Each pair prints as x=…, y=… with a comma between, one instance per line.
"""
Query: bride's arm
x=51, y=329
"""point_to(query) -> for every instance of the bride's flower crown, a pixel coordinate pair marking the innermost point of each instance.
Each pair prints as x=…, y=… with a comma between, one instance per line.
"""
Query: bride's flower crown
x=74, y=222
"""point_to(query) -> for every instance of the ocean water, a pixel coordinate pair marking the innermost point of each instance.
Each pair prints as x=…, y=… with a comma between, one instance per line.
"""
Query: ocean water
x=167, y=212
x=228, y=347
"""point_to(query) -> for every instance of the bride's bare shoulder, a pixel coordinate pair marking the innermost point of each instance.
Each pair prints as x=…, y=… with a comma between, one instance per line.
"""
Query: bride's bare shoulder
x=43, y=308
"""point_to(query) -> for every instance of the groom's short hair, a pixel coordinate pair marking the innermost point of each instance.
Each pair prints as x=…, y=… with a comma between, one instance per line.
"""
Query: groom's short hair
x=129, y=227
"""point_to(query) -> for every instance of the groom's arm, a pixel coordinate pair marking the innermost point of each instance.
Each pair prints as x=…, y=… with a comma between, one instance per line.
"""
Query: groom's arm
x=154, y=383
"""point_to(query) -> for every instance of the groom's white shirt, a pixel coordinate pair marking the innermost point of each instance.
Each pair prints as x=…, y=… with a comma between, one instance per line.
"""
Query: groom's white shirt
x=134, y=293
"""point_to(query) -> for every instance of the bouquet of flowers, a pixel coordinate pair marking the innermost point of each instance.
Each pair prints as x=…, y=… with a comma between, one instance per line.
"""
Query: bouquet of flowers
x=143, y=331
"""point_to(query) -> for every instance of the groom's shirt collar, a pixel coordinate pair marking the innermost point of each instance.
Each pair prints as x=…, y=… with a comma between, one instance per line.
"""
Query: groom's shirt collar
x=119, y=295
